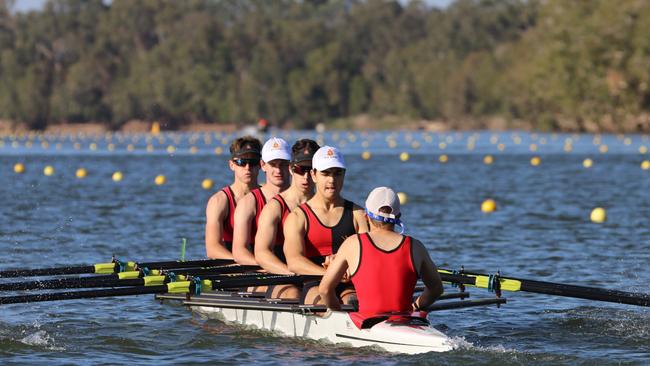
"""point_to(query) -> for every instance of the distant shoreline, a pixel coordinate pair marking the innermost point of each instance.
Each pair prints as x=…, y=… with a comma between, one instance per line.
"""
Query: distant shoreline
x=360, y=122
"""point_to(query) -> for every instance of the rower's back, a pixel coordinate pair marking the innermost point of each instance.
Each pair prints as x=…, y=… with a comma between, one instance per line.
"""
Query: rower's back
x=385, y=277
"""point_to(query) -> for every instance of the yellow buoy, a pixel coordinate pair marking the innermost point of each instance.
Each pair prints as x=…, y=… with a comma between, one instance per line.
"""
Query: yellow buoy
x=171, y=149
x=149, y=148
x=403, y=198
x=443, y=158
x=587, y=163
x=598, y=215
x=535, y=161
x=155, y=128
x=110, y=147
x=130, y=147
x=488, y=159
x=218, y=150
x=93, y=146
x=117, y=176
x=366, y=155
x=194, y=150
x=603, y=149
x=160, y=180
x=48, y=170
x=488, y=206
x=643, y=149
x=442, y=145
x=19, y=168
x=81, y=173
x=645, y=165
x=404, y=156
x=207, y=184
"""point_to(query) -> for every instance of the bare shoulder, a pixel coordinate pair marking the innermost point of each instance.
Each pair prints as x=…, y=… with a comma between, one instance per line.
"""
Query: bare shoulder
x=271, y=210
x=351, y=243
x=217, y=206
x=246, y=203
x=218, y=199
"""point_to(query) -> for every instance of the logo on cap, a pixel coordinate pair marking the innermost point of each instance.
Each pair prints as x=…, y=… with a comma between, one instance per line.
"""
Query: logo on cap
x=330, y=152
x=276, y=145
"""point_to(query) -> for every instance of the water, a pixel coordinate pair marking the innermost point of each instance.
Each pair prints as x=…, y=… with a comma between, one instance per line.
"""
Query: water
x=541, y=230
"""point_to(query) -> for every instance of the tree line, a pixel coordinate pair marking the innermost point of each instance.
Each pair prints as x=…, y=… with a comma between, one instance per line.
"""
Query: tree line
x=560, y=65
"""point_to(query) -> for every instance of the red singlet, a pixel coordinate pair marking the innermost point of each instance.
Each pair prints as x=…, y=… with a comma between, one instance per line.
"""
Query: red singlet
x=384, y=281
x=321, y=240
x=260, y=202
x=279, y=234
x=228, y=221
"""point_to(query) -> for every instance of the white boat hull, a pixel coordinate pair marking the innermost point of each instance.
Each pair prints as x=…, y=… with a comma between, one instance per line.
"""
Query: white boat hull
x=336, y=327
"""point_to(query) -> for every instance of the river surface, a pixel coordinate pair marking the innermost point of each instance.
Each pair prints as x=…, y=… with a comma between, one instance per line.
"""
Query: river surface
x=541, y=230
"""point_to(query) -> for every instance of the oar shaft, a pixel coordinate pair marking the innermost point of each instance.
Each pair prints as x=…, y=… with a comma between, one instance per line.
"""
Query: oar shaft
x=47, y=271
x=550, y=288
x=69, y=295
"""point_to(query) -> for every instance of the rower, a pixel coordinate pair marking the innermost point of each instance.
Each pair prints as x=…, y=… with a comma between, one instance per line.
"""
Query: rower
x=219, y=212
x=275, y=164
x=269, y=239
x=314, y=232
x=382, y=264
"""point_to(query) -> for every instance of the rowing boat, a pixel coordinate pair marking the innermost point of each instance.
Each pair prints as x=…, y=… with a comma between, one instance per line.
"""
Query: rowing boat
x=403, y=334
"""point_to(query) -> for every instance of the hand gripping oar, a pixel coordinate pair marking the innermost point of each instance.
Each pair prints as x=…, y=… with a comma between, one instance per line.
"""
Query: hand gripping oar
x=156, y=285
x=112, y=267
x=499, y=283
x=122, y=279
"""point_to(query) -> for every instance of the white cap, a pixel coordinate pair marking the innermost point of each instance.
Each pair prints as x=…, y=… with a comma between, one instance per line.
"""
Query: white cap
x=327, y=157
x=383, y=197
x=275, y=148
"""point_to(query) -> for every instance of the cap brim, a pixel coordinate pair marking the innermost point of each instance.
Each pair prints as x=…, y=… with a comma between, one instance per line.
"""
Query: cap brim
x=329, y=165
x=249, y=151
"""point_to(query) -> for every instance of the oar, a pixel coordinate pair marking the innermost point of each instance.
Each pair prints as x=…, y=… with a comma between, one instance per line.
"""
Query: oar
x=156, y=285
x=172, y=287
x=111, y=267
x=500, y=283
x=122, y=279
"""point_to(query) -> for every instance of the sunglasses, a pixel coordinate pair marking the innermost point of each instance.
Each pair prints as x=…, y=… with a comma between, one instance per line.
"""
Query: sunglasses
x=243, y=162
x=300, y=169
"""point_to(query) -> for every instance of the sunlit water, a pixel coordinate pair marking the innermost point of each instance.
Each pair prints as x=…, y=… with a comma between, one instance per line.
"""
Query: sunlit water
x=541, y=230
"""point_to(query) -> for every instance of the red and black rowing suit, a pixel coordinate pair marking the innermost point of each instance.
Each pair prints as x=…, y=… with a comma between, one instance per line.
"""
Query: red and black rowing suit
x=384, y=280
x=260, y=202
x=278, y=243
x=322, y=241
x=228, y=221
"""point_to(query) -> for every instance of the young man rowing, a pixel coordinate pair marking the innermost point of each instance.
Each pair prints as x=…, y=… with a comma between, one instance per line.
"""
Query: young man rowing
x=220, y=210
x=275, y=164
x=314, y=232
x=269, y=240
x=382, y=264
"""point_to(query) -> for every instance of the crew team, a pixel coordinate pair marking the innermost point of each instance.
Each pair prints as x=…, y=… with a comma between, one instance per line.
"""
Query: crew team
x=297, y=222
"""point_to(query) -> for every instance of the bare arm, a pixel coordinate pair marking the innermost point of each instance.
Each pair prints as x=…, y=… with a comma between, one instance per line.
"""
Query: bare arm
x=360, y=222
x=335, y=272
x=267, y=229
x=244, y=216
x=215, y=213
x=294, y=246
x=429, y=274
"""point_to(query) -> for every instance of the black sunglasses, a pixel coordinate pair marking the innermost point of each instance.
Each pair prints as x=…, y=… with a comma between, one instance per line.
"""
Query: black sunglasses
x=300, y=169
x=243, y=162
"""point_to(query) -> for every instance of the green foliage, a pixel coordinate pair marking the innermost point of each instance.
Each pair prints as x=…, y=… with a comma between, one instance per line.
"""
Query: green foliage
x=312, y=61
